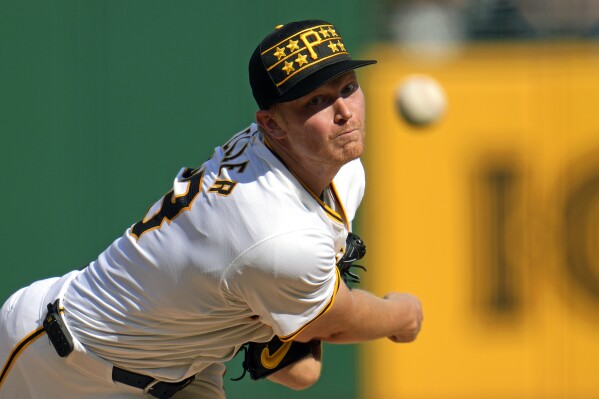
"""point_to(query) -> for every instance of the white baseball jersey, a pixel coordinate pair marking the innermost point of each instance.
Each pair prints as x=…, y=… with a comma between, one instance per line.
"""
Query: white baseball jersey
x=237, y=251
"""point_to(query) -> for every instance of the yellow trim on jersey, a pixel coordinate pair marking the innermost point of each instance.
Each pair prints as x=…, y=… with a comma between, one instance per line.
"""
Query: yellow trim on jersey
x=328, y=211
x=338, y=199
x=24, y=343
x=323, y=311
x=331, y=213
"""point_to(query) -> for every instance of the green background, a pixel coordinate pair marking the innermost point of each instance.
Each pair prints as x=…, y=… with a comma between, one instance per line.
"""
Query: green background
x=101, y=103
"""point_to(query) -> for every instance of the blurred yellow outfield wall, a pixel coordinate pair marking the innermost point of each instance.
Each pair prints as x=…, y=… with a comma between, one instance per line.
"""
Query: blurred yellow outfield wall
x=491, y=217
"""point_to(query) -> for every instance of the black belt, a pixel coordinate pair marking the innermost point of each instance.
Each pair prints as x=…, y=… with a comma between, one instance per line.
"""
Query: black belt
x=161, y=390
x=61, y=339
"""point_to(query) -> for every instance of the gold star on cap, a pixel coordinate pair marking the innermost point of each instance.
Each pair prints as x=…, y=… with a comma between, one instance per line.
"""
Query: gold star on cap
x=288, y=67
x=301, y=59
x=280, y=53
x=300, y=50
x=292, y=46
x=297, y=58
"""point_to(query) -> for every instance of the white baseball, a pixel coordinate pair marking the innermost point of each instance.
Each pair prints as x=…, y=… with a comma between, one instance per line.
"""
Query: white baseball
x=420, y=100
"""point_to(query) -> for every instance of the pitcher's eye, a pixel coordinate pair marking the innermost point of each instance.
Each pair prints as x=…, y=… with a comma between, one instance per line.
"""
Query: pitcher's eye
x=315, y=101
x=349, y=89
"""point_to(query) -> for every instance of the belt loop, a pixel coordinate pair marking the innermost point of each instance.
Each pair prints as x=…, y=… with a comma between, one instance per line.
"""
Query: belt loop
x=150, y=386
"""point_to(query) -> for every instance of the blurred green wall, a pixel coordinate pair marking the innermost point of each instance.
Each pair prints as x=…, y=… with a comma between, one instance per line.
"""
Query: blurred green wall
x=101, y=103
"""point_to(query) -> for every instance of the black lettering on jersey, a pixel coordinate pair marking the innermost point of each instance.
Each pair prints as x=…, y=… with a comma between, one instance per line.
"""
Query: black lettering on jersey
x=232, y=166
x=236, y=146
x=232, y=154
x=233, y=140
x=172, y=205
x=222, y=187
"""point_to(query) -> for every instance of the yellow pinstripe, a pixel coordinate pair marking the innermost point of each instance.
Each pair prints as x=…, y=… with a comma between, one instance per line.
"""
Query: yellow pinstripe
x=24, y=343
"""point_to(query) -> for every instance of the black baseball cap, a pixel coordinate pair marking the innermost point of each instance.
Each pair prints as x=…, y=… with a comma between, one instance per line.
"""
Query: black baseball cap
x=297, y=58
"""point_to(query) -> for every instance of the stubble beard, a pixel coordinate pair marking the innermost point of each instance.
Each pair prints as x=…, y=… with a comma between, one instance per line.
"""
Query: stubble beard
x=352, y=150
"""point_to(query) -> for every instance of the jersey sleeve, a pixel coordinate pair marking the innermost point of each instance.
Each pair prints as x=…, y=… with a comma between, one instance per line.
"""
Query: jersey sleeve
x=287, y=280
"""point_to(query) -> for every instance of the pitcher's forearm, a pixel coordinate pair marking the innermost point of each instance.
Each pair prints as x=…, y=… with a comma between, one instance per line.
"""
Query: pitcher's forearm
x=370, y=317
x=358, y=316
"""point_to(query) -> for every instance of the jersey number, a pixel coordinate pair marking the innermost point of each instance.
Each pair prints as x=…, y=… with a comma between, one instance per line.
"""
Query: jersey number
x=172, y=205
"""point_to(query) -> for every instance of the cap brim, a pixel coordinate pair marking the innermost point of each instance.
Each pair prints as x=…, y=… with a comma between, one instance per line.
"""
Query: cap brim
x=317, y=79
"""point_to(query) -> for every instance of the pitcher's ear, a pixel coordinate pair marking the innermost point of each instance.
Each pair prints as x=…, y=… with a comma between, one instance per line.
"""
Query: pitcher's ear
x=266, y=119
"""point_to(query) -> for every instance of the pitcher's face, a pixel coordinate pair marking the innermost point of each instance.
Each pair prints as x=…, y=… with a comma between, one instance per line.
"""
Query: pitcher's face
x=326, y=126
